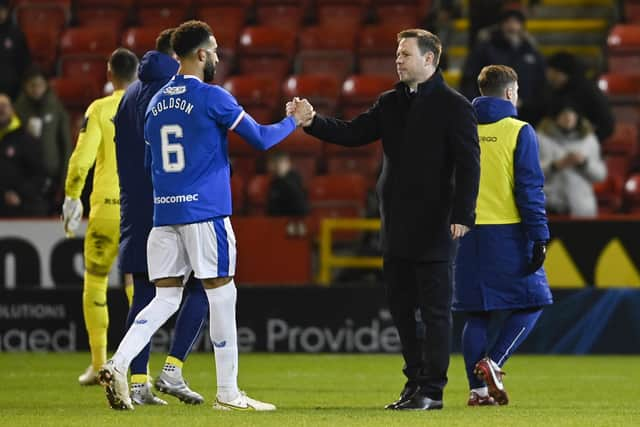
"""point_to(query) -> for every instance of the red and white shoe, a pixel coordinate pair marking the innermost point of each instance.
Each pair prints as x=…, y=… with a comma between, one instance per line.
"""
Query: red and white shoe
x=489, y=372
x=476, y=400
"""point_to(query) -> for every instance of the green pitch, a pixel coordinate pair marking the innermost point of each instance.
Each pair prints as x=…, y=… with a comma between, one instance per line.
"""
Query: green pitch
x=330, y=390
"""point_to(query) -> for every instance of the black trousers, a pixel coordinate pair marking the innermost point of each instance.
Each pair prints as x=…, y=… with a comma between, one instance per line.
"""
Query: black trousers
x=419, y=296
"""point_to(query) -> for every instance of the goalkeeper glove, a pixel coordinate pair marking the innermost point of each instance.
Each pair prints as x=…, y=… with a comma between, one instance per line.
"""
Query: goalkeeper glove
x=71, y=215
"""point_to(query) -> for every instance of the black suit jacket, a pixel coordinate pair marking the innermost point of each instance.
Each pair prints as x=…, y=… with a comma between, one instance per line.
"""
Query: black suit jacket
x=431, y=166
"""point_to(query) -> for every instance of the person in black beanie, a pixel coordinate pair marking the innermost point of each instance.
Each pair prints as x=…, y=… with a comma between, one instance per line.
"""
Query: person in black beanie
x=567, y=82
x=14, y=53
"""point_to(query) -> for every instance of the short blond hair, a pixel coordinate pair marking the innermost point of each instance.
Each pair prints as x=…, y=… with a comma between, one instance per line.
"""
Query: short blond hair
x=494, y=79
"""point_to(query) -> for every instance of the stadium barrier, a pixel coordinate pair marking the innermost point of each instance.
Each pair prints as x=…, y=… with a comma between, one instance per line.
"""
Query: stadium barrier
x=602, y=253
x=315, y=319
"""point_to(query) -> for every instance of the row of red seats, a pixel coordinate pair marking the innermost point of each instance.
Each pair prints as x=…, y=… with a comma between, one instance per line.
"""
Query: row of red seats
x=310, y=157
x=256, y=49
x=262, y=97
x=281, y=13
x=330, y=196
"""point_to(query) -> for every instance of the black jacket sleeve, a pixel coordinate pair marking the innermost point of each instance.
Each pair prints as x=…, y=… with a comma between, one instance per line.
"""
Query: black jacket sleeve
x=363, y=129
x=463, y=136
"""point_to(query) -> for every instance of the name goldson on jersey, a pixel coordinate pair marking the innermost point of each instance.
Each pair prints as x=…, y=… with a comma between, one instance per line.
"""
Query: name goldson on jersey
x=175, y=103
x=177, y=198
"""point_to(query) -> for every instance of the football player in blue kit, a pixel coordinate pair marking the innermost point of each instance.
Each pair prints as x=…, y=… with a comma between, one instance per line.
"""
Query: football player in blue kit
x=185, y=129
x=136, y=220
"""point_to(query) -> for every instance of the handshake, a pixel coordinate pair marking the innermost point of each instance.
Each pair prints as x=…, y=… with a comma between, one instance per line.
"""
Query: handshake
x=301, y=110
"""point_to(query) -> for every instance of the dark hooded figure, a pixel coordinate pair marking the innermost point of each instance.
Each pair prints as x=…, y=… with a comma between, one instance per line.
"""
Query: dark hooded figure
x=567, y=82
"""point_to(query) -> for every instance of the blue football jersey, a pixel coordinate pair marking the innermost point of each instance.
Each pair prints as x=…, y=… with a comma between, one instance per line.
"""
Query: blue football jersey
x=186, y=126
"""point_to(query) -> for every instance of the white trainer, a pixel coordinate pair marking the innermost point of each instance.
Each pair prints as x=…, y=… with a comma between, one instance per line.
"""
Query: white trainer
x=115, y=386
x=141, y=394
x=243, y=403
x=89, y=377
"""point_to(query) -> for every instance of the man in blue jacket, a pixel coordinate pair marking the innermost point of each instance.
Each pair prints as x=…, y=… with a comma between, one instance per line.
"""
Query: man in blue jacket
x=499, y=263
x=136, y=204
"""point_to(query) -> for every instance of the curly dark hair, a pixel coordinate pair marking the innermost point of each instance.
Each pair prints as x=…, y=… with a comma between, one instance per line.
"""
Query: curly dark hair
x=189, y=36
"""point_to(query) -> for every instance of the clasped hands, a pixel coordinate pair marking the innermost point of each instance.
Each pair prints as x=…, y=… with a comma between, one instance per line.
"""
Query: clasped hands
x=301, y=110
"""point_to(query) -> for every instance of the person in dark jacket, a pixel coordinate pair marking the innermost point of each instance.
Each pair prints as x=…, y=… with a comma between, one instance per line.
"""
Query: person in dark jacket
x=136, y=220
x=499, y=264
x=509, y=44
x=21, y=170
x=427, y=191
x=45, y=118
x=287, y=196
x=568, y=83
x=14, y=53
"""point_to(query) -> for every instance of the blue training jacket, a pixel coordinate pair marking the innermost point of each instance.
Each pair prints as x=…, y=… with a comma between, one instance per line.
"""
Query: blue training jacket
x=136, y=191
x=490, y=270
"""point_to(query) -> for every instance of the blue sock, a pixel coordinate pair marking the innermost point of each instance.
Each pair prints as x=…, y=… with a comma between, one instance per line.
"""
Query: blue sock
x=191, y=319
x=474, y=344
x=514, y=331
x=143, y=292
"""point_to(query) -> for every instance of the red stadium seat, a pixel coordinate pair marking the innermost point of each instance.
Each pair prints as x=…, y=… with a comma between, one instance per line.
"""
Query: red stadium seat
x=632, y=193
x=280, y=15
x=621, y=88
x=205, y=3
x=80, y=66
x=244, y=158
x=119, y=4
x=140, y=39
x=624, y=140
x=345, y=14
x=183, y=4
x=163, y=16
x=321, y=90
x=228, y=16
x=342, y=195
x=623, y=45
x=398, y=15
x=336, y=196
x=259, y=95
x=305, y=152
x=84, y=51
x=359, y=92
x=53, y=15
x=609, y=192
x=43, y=45
x=257, y=193
x=109, y=17
x=75, y=92
x=93, y=41
x=326, y=50
x=299, y=143
x=377, y=50
x=266, y=51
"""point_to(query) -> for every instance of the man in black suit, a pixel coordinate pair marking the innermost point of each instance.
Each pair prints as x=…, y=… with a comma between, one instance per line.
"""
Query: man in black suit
x=427, y=191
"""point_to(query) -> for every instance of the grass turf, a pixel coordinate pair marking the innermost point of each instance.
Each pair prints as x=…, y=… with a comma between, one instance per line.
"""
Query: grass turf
x=330, y=390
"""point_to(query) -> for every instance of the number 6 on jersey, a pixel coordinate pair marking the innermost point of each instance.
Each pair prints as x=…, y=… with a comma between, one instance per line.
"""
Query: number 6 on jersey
x=168, y=148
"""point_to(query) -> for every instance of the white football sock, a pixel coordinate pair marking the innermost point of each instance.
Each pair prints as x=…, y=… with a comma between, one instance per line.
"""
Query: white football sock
x=482, y=391
x=148, y=321
x=224, y=336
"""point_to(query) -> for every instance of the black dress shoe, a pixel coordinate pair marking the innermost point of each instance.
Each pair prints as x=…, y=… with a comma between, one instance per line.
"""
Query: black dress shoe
x=410, y=388
x=419, y=402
